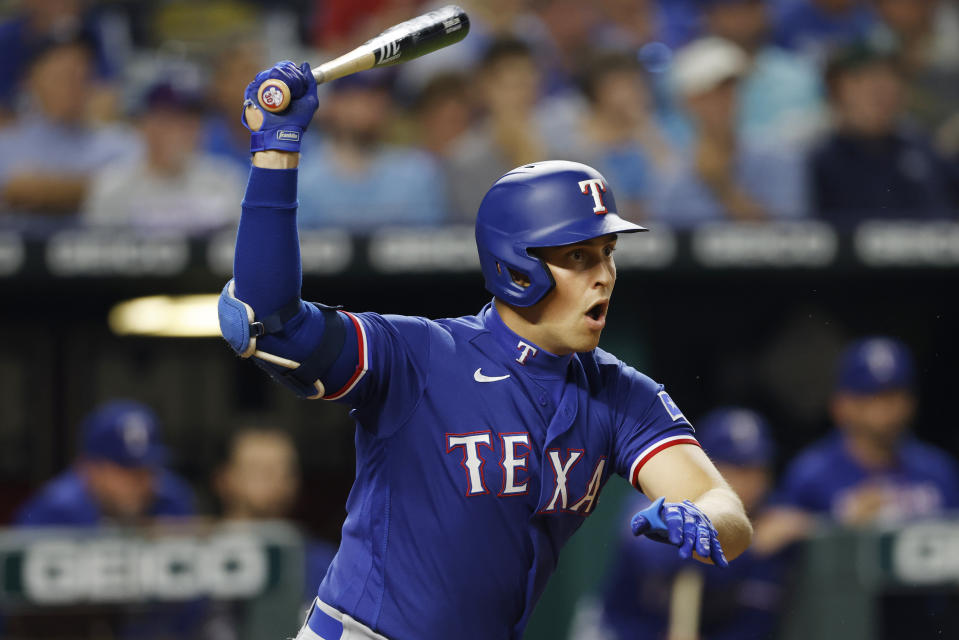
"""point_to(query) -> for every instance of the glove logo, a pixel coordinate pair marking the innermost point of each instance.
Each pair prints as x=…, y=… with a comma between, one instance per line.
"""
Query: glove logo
x=292, y=136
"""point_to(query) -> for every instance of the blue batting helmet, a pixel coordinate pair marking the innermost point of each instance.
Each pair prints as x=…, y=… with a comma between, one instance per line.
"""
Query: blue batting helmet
x=545, y=204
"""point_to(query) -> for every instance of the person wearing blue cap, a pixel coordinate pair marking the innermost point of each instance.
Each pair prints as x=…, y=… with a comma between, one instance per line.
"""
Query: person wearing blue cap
x=649, y=594
x=871, y=469
x=118, y=476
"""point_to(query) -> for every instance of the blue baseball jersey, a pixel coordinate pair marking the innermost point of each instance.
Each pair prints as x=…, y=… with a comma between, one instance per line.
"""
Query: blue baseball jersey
x=66, y=500
x=478, y=455
x=923, y=481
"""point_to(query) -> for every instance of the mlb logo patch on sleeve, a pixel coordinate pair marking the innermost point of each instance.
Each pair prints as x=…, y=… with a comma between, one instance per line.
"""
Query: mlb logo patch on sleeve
x=671, y=407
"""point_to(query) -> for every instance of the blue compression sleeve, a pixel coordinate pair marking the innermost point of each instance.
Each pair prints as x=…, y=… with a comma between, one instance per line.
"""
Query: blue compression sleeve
x=266, y=264
x=267, y=272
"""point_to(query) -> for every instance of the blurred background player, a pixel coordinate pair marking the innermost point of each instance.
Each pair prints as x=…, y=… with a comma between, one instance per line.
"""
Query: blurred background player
x=650, y=595
x=175, y=185
x=870, y=472
x=871, y=469
x=259, y=480
x=118, y=477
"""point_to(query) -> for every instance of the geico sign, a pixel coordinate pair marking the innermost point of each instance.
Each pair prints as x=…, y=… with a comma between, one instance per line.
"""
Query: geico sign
x=124, y=570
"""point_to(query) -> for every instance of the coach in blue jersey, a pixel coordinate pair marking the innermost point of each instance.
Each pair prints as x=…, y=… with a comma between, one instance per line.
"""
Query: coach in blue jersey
x=482, y=442
x=871, y=469
x=117, y=478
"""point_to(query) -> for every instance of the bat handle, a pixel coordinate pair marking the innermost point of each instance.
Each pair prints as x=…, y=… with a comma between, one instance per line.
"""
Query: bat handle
x=273, y=95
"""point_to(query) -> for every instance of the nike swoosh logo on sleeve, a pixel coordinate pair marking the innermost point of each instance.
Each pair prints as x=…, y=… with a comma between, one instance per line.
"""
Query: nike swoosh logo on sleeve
x=479, y=377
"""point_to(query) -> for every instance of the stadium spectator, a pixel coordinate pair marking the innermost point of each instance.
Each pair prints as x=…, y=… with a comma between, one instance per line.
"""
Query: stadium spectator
x=780, y=95
x=173, y=186
x=814, y=27
x=649, y=594
x=618, y=134
x=223, y=132
x=872, y=165
x=56, y=149
x=568, y=38
x=443, y=113
x=927, y=35
x=37, y=21
x=259, y=480
x=870, y=470
x=721, y=175
x=118, y=476
x=490, y=20
x=510, y=133
x=354, y=178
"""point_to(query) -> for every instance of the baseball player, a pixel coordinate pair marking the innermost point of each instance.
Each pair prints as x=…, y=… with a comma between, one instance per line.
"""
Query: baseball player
x=871, y=469
x=119, y=476
x=482, y=442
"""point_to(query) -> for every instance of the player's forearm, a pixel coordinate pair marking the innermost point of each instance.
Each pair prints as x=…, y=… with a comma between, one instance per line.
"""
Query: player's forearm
x=273, y=159
x=266, y=264
x=726, y=512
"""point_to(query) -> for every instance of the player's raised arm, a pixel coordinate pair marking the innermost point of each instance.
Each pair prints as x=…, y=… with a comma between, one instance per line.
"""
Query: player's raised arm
x=695, y=510
x=304, y=346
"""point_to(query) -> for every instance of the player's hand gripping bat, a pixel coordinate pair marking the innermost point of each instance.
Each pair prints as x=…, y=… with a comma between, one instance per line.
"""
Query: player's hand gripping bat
x=405, y=41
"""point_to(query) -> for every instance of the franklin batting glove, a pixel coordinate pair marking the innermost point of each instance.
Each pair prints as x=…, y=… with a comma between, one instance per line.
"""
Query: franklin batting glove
x=682, y=524
x=283, y=131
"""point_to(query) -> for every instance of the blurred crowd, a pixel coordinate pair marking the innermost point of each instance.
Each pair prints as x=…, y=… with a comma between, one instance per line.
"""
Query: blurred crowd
x=127, y=113
x=868, y=471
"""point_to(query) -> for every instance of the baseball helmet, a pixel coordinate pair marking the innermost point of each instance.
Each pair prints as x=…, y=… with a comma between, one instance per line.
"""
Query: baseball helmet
x=544, y=204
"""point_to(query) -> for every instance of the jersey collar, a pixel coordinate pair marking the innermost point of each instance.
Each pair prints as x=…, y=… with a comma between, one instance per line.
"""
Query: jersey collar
x=535, y=360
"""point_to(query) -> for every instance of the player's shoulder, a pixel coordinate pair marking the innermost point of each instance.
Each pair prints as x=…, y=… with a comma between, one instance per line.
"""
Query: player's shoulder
x=416, y=329
x=928, y=458
x=613, y=373
x=63, y=499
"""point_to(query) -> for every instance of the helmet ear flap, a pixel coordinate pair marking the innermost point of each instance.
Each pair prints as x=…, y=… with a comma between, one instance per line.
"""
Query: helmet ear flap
x=534, y=281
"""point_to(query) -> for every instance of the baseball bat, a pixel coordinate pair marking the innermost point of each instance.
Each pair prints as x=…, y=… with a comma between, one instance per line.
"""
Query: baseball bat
x=402, y=42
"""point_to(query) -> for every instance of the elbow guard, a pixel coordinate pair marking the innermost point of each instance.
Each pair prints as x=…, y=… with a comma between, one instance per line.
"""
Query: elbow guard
x=241, y=329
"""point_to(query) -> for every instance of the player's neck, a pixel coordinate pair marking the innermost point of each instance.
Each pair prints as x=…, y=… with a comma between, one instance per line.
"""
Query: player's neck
x=870, y=452
x=523, y=321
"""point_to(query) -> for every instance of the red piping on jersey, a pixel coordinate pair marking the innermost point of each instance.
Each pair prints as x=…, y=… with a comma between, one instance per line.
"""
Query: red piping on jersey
x=656, y=449
x=360, y=360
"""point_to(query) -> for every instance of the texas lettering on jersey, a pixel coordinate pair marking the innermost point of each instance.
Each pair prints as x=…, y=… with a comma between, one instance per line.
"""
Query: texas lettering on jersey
x=512, y=457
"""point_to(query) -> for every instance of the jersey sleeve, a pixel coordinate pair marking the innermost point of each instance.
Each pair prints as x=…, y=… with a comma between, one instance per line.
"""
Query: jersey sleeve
x=648, y=422
x=382, y=370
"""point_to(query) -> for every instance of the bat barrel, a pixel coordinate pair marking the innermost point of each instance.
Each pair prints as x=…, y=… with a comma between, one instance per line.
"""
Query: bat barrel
x=419, y=36
x=406, y=41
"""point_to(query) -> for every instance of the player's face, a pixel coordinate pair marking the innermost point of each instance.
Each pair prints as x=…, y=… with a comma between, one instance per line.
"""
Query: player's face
x=571, y=318
x=122, y=492
x=261, y=480
x=751, y=483
x=881, y=417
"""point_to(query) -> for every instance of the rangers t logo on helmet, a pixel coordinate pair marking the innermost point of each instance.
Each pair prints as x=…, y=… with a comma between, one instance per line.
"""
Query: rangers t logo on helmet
x=596, y=187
